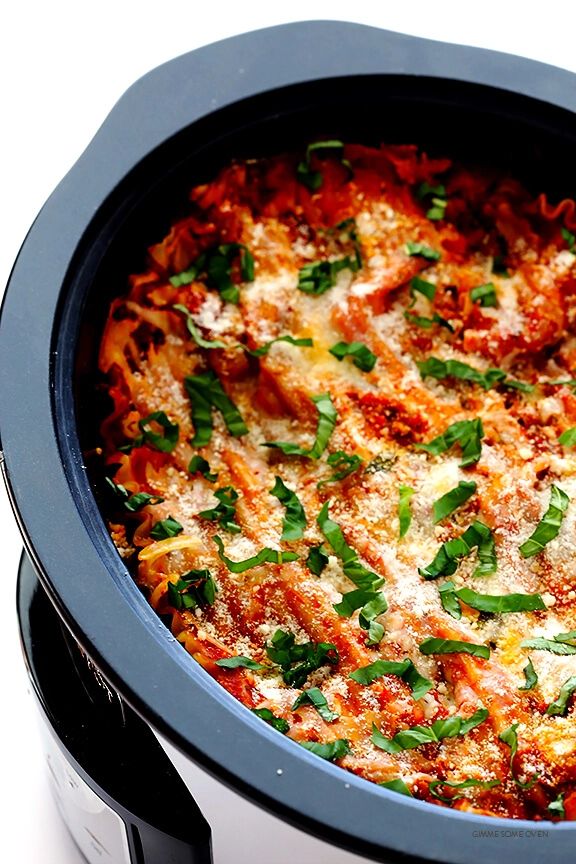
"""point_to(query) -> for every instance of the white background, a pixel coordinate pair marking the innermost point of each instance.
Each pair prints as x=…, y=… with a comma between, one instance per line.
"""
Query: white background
x=62, y=67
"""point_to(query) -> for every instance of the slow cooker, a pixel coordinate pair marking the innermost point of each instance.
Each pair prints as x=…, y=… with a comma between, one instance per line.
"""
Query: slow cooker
x=151, y=760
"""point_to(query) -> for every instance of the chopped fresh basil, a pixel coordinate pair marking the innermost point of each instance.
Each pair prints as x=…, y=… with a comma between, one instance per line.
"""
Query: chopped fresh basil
x=317, y=560
x=436, y=196
x=530, y=677
x=206, y=392
x=568, y=437
x=446, y=560
x=299, y=661
x=499, y=266
x=405, y=493
x=427, y=323
x=498, y=604
x=334, y=750
x=405, y=670
x=408, y=739
x=556, y=807
x=549, y=526
x=264, y=349
x=433, y=367
x=467, y=433
x=453, y=646
x=194, y=331
x=449, y=600
x=559, y=707
x=216, y=264
x=555, y=645
x=294, y=521
x=134, y=502
x=356, y=572
x=569, y=238
x=344, y=464
x=225, y=512
x=361, y=355
x=469, y=783
x=265, y=556
x=421, y=286
x=317, y=277
x=396, y=785
x=194, y=589
x=316, y=698
x=327, y=416
x=240, y=662
x=199, y=465
x=166, y=528
x=453, y=499
x=353, y=600
x=367, y=618
x=313, y=180
x=485, y=295
x=510, y=737
x=277, y=723
x=164, y=441
x=421, y=250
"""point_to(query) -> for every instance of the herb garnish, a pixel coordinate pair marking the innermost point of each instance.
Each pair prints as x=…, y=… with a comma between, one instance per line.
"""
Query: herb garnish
x=361, y=355
x=313, y=180
x=405, y=493
x=277, y=723
x=446, y=560
x=498, y=604
x=467, y=433
x=344, y=464
x=356, y=572
x=317, y=277
x=510, y=737
x=194, y=589
x=299, y=661
x=559, y=707
x=433, y=367
x=225, y=512
x=240, y=662
x=216, y=264
x=485, y=295
x=549, y=526
x=421, y=286
x=316, y=698
x=206, y=392
x=264, y=349
x=404, y=670
x=166, y=528
x=569, y=238
x=164, y=441
x=134, y=502
x=195, y=332
x=331, y=751
x=408, y=739
x=294, y=521
x=559, y=644
x=397, y=785
x=568, y=437
x=265, y=556
x=427, y=323
x=453, y=646
x=453, y=499
x=465, y=784
x=327, y=416
x=449, y=600
x=373, y=604
x=317, y=560
x=530, y=677
x=199, y=465
x=556, y=807
x=421, y=250
x=436, y=195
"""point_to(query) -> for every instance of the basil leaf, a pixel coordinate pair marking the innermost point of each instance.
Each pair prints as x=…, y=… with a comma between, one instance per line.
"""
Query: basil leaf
x=265, y=556
x=216, y=264
x=264, y=349
x=369, y=612
x=334, y=750
x=166, y=528
x=361, y=355
x=317, y=277
x=465, y=784
x=327, y=416
x=438, y=210
x=239, y=662
x=453, y=499
x=299, y=661
x=345, y=464
x=353, y=600
x=194, y=331
x=199, y=465
x=449, y=600
x=397, y=785
x=194, y=589
x=549, y=526
x=313, y=180
x=405, y=670
x=433, y=367
x=408, y=739
x=467, y=433
x=569, y=238
x=225, y=512
x=405, y=493
x=568, y=437
x=294, y=521
x=316, y=698
x=421, y=286
x=498, y=604
x=559, y=707
x=206, y=392
x=317, y=560
x=446, y=560
x=485, y=295
x=421, y=250
x=134, y=502
x=530, y=677
x=165, y=441
x=437, y=194
x=427, y=323
x=277, y=723
x=555, y=646
x=356, y=572
x=453, y=646
x=556, y=807
x=510, y=737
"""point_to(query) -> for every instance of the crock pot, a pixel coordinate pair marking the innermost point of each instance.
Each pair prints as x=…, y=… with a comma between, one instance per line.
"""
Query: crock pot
x=152, y=761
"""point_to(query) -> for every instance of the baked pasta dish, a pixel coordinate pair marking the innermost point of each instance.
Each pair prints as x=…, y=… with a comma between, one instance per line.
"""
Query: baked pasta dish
x=340, y=462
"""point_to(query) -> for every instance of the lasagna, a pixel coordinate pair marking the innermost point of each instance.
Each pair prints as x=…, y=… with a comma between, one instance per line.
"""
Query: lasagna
x=340, y=463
